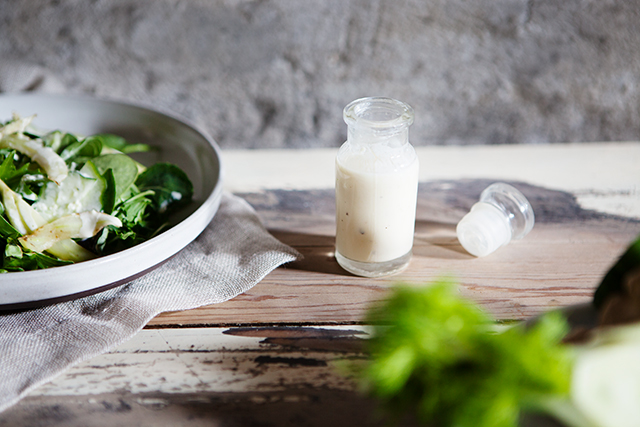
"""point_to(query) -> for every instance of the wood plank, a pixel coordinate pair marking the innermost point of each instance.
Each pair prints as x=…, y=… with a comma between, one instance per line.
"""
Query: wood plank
x=218, y=360
x=291, y=408
x=280, y=376
x=197, y=377
x=558, y=264
x=294, y=408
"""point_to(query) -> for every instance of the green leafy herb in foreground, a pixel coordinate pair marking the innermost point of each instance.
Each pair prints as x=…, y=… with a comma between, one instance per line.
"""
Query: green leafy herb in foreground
x=439, y=356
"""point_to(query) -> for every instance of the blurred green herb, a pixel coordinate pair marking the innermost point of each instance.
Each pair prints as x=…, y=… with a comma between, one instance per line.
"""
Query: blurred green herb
x=440, y=357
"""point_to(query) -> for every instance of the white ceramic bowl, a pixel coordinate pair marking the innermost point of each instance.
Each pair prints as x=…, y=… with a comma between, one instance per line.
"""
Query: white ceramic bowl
x=177, y=141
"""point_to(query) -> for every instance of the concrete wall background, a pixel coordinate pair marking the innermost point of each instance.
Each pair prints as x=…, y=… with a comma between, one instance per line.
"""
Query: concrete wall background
x=277, y=73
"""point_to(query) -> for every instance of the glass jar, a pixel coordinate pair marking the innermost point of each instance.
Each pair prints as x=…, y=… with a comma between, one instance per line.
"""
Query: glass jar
x=376, y=188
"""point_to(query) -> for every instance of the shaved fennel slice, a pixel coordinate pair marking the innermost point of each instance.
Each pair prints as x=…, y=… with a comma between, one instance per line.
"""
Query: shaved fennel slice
x=69, y=250
x=17, y=125
x=80, y=192
x=49, y=160
x=79, y=225
x=21, y=215
x=25, y=219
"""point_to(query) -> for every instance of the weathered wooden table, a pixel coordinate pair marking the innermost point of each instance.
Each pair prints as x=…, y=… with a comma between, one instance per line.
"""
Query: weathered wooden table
x=272, y=356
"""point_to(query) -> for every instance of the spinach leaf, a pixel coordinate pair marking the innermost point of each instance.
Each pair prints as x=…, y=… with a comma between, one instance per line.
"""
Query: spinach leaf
x=112, y=141
x=17, y=259
x=171, y=187
x=108, y=198
x=81, y=151
x=135, y=148
x=163, y=188
x=7, y=231
x=65, y=141
x=138, y=225
x=124, y=170
x=132, y=210
x=8, y=169
x=20, y=175
x=119, y=143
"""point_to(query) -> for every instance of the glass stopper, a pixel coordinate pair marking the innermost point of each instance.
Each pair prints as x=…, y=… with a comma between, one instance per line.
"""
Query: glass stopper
x=502, y=214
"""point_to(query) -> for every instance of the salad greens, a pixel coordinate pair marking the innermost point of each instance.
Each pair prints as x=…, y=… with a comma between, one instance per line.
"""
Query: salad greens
x=66, y=198
x=440, y=357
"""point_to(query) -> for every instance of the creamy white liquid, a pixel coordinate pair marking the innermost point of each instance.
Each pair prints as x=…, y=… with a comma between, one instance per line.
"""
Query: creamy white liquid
x=375, y=211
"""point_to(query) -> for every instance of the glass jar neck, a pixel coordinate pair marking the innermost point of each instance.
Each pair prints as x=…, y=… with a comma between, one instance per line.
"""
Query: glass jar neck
x=378, y=120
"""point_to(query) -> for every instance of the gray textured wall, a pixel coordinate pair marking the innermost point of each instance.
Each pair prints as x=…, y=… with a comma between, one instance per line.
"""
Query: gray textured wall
x=277, y=73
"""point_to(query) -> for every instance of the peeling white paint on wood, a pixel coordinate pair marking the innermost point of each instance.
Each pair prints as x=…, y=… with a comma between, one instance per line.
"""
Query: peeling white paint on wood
x=194, y=360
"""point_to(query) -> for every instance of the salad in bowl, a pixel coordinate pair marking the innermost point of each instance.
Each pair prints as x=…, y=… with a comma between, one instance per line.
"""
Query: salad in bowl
x=66, y=198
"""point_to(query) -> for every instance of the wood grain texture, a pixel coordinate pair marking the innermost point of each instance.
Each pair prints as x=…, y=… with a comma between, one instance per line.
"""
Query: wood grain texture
x=558, y=264
x=251, y=376
x=292, y=408
x=267, y=376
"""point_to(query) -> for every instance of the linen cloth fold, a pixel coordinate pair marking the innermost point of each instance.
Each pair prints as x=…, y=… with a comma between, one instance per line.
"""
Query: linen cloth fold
x=230, y=256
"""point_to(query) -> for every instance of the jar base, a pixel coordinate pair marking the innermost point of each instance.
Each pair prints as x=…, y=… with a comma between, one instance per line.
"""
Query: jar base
x=374, y=269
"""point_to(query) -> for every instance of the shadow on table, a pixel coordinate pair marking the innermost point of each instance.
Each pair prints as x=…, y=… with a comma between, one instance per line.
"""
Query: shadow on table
x=435, y=239
x=317, y=250
x=432, y=240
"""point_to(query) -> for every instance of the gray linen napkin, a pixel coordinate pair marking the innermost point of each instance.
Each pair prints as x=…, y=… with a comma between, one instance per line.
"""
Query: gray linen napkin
x=232, y=254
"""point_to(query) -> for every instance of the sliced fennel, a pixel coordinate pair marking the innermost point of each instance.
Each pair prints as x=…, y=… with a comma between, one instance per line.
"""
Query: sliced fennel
x=12, y=136
x=69, y=250
x=21, y=215
x=75, y=226
x=81, y=191
x=26, y=220
x=17, y=125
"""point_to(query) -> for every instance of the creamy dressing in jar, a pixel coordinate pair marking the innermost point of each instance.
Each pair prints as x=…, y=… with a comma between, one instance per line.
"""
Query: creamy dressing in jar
x=376, y=188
